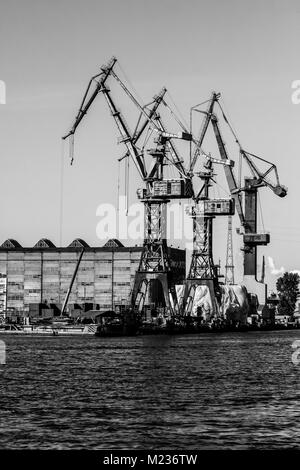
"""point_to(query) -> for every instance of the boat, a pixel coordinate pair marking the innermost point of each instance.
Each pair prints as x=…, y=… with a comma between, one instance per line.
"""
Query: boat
x=114, y=324
x=50, y=330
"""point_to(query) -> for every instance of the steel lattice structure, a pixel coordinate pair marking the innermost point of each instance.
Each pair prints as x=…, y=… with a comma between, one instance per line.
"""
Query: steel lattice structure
x=229, y=267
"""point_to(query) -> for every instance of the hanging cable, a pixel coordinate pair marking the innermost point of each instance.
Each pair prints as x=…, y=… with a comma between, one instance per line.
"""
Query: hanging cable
x=71, y=148
x=147, y=137
x=130, y=84
x=118, y=203
x=186, y=125
x=229, y=123
x=183, y=126
x=61, y=199
x=127, y=183
x=240, y=170
x=128, y=176
x=225, y=190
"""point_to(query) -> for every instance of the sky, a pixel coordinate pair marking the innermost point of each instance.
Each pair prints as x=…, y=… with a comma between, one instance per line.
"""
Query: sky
x=247, y=50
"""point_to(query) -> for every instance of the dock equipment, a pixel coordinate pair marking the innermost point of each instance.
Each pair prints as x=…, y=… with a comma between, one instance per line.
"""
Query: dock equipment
x=259, y=178
x=158, y=190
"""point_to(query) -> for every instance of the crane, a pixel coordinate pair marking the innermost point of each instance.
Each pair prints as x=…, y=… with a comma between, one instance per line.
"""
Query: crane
x=158, y=191
x=203, y=271
x=259, y=178
x=71, y=283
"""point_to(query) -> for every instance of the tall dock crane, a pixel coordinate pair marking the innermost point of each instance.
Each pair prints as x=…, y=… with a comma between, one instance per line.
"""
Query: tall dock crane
x=247, y=214
x=203, y=271
x=155, y=263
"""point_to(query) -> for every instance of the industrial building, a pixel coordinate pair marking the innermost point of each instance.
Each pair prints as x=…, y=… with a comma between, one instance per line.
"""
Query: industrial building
x=39, y=277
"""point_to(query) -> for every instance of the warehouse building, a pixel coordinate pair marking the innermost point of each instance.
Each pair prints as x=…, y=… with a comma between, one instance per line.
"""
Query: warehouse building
x=39, y=277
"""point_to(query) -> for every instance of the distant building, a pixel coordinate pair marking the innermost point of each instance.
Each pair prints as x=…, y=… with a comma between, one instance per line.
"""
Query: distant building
x=41, y=275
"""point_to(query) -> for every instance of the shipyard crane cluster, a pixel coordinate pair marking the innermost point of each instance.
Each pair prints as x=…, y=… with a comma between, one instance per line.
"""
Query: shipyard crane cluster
x=159, y=190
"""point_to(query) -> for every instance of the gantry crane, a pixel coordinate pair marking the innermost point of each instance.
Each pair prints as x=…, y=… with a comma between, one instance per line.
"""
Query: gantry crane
x=259, y=178
x=158, y=191
x=203, y=271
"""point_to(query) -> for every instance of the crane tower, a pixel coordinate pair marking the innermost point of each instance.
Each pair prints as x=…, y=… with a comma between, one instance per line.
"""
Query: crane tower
x=229, y=267
x=158, y=191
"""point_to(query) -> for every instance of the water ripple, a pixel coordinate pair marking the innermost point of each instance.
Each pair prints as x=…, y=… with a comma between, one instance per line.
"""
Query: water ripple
x=206, y=391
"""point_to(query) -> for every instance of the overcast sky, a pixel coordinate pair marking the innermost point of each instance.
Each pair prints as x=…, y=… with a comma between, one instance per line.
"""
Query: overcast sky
x=248, y=50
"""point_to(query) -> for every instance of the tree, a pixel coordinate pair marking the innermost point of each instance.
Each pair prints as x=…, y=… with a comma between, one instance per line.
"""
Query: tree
x=288, y=292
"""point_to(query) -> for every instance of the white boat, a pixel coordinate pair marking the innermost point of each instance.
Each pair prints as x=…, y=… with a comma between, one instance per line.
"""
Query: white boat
x=50, y=330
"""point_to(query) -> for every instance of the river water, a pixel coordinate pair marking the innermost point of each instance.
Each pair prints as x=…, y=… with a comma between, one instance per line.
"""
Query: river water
x=205, y=391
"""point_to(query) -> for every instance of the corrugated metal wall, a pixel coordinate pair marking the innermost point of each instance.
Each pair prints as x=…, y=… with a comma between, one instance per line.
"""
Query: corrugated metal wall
x=104, y=277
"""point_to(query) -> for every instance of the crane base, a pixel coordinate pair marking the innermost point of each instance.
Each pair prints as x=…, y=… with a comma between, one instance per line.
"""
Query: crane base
x=187, y=300
x=141, y=286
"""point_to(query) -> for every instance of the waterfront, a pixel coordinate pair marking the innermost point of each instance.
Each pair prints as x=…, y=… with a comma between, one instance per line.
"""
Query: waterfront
x=205, y=391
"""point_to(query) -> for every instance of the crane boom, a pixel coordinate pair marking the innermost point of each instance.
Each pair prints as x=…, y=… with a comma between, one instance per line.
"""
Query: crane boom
x=71, y=283
x=205, y=124
x=125, y=134
x=152, y=113
x=128, y=138
x=175, y=157
x=233, y=187
x=258, y=175
x=157, y=124
x=135, y=101
x=261, y=176
x=84, y=107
